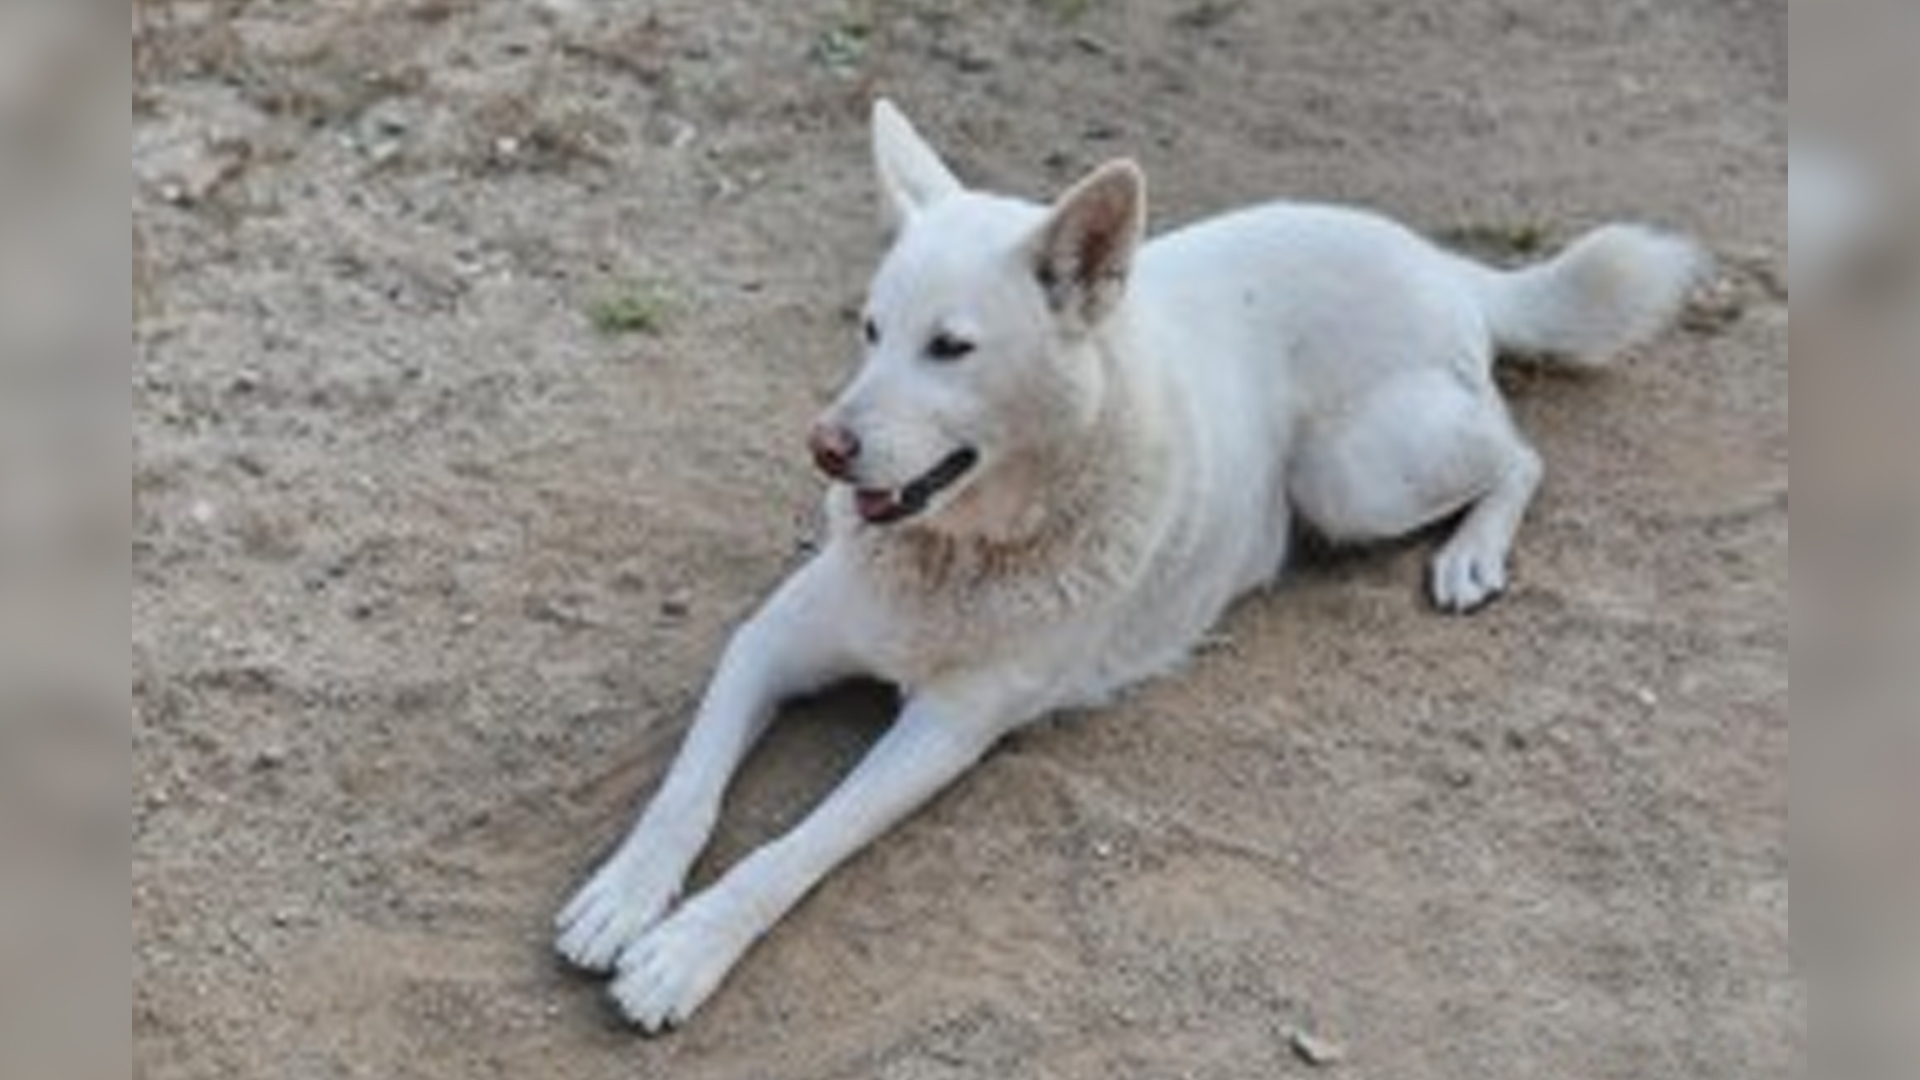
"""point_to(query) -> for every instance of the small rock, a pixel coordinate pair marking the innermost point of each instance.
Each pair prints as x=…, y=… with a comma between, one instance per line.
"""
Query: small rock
x=676, y=607
x=270, y=758
x=1315, y=1050
x=966, y=60
x=385, y=151
x=190, y=171
x=202, y=512
x=559, y=611
x=680, y=133
x=1714, y=307
x=1218, y=642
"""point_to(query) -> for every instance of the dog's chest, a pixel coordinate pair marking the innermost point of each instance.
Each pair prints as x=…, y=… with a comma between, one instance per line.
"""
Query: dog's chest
x=1086, y=625
x=941, y=618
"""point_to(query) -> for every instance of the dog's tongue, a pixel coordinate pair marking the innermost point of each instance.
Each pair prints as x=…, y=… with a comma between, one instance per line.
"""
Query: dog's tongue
x=876, y=506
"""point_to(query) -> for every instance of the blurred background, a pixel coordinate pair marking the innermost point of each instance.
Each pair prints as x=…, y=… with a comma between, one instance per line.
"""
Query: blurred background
x=1856, y=621
x=64, y=525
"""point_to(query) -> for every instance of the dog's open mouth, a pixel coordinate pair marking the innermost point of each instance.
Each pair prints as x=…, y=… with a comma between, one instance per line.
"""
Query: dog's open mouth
x=882, y=506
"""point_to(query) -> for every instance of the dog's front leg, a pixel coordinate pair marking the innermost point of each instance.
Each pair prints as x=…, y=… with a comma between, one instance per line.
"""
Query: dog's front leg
x=673, y=969
x=795, y=643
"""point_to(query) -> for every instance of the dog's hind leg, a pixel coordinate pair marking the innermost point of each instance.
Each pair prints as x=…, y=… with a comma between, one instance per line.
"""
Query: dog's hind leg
x=1471, y=567
x=789, y=647
x=1412, y=451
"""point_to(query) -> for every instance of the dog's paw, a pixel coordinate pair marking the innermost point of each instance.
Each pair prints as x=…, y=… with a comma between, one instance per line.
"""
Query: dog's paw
x=612, y=911
x=1467, y=573
x=677, y=965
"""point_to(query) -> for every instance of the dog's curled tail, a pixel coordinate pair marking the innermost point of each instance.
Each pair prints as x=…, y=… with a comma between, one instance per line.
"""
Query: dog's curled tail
x=1614, y=287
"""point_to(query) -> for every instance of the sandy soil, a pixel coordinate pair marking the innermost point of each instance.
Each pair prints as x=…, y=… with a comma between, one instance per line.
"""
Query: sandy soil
x=474, y=339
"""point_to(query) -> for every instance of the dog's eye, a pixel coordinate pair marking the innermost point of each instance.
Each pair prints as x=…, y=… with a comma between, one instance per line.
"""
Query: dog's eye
x=947, y=347
x=870, y=330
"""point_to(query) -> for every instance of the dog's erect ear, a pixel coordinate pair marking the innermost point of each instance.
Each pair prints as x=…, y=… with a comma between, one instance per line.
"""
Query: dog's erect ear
x=1084, y=252
x=912, y=176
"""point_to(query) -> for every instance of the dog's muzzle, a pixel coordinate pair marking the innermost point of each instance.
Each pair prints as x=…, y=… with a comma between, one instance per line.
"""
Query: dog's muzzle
x=882, y=506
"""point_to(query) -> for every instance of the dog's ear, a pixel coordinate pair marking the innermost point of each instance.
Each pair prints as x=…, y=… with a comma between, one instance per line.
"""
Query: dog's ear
x=1084, y=252
x=912, y=176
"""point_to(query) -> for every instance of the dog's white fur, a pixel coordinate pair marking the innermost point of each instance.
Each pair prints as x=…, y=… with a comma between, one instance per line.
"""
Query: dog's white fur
x=1147, y=420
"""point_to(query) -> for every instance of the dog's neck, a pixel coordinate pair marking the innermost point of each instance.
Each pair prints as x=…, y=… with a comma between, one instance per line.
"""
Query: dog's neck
x=1018, y=502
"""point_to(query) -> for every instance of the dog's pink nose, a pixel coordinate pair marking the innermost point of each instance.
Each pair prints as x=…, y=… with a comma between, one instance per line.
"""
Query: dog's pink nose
x=834, y=449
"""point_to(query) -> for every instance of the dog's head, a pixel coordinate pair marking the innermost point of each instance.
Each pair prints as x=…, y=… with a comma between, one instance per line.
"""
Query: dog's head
x=980, y=334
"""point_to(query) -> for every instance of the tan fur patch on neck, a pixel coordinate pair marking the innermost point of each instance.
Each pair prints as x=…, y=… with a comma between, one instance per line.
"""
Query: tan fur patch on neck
x=1096, y=515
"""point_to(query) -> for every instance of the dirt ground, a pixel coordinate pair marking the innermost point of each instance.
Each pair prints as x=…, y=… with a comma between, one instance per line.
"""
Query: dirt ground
x=474, y=340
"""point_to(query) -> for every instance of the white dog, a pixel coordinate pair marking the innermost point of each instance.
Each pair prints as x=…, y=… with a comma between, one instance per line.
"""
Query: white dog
x=1065, y=454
